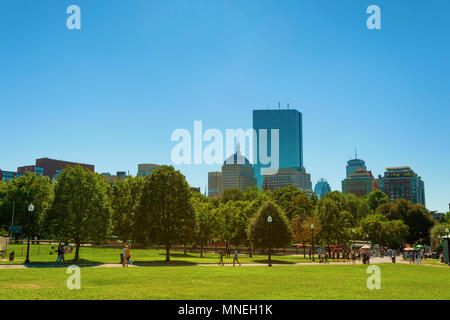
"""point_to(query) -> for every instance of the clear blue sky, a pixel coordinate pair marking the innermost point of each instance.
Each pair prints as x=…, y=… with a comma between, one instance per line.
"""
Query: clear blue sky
x=111, y=93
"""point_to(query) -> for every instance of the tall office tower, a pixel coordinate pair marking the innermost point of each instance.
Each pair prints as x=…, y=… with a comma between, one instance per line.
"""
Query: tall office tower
x=322, y=188
x=353, y=165
x=360, y=183
x=289, y=124
x=215, y=184
x=403, y=182
x=288, y=177
x=146, y=169
x=237, y=173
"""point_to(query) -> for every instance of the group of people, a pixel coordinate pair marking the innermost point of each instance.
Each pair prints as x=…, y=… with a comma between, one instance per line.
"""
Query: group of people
x=336, y=255
x=415, y=257
x=235, y=257
x=62, y=251
x=125, y=256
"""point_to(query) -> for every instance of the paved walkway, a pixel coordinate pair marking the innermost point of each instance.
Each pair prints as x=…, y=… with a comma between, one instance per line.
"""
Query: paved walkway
x=377, y=260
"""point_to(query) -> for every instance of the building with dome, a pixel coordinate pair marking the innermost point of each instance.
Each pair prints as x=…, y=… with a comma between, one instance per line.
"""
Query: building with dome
x=237, y=173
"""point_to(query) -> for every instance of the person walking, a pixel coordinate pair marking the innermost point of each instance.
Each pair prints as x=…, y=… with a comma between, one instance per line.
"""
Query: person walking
x=221, y=257
x=127, y=255
x=60, y=253
x=236, y=257
x=124, y=254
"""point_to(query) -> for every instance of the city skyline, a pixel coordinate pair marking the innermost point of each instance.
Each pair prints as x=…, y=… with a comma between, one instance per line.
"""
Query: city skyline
x=112, y=93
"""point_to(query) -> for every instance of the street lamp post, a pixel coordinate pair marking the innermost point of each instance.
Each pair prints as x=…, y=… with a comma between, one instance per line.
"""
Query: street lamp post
x=353, y=231
x=312, y=236
x=269, y=220
x=30, y=210
x=448, y=246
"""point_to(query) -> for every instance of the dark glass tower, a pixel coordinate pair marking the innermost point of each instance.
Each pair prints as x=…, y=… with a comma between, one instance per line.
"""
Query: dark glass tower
x=289, y=123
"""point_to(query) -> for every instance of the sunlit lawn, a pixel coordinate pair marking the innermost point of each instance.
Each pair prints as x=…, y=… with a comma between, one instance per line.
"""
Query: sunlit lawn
x=398, y=281
x=95, y=255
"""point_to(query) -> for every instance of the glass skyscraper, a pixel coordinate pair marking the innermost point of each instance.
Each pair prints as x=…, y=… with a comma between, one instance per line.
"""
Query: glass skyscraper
x=322, y=188
x=353, y=165
x=289, y=123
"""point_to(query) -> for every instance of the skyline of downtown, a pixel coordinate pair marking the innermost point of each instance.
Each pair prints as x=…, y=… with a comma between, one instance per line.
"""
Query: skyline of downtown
x=113, y=93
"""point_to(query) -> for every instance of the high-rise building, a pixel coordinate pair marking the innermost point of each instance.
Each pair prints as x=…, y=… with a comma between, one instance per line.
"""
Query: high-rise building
x=237, y=173
x=353, y=165
x=289, y=124
x=215, y=184
x=146, y=169
x=288, y=177
x=322, y=188
x=360, y=183
x=404, y=183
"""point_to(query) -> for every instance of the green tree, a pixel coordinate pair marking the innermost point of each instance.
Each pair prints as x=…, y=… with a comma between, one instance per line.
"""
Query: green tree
x=81, y=210
x=437, y=232
x=232, y=195
x=377, y=198
x=334, y=221
x=124, y=199
x=20, y=192
x=206, y=221
x=384, y=232
x=165, y=214
x=269, y=233
x=285, y=199
x=240, y=223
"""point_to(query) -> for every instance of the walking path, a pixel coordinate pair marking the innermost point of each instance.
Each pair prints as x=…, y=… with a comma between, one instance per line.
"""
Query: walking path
x=377, y=260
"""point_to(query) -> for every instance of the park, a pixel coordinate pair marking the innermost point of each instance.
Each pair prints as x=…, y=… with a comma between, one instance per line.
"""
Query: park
x=191, y=277
x=270, y=245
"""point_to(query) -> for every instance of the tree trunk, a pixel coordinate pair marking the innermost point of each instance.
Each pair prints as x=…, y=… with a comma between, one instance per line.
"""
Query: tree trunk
x=250, y=253
x=201, y=251
x=304, y=250
x=270, y=257
x=185, y=249
x=167, y=252
x=77, y=251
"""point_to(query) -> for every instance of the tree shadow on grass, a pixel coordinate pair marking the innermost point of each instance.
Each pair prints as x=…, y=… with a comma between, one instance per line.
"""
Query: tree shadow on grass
x=179, y=255
x=69, y=262
x=161, y=263
x=266, y=261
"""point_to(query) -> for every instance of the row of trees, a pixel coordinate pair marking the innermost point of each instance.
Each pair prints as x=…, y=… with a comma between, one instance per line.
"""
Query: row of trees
x=161, y=209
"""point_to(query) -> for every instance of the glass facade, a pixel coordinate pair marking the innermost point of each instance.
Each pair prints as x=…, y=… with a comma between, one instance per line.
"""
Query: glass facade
x=322, y=188
x=289, y=123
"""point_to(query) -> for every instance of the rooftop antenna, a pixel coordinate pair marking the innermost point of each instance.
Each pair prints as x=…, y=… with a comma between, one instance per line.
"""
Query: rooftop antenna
x=356, y=156
x=288, y=105
x=279, y=105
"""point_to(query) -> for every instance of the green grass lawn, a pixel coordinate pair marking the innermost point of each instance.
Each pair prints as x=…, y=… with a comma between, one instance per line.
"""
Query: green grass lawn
x=200, y=282
x=40, y=254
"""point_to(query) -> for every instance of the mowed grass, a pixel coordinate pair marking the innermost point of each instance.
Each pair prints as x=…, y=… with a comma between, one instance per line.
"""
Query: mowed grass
x=398, y=281
x=40, y=254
